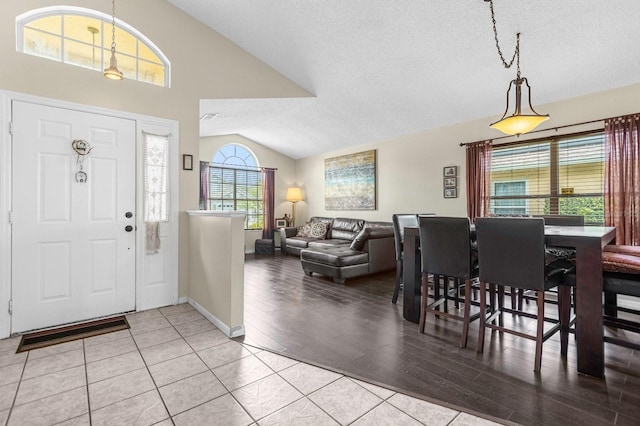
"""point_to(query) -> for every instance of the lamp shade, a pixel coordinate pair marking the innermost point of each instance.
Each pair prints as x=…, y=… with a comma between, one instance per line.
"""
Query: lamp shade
x=519, y=124
x=294, y=195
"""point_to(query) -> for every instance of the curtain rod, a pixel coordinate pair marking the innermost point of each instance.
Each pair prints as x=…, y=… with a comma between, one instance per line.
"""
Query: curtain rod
x=223, y=166
x=538, y=131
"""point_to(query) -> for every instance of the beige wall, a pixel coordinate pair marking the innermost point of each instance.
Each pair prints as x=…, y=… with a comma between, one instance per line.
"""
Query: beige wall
x=204, y=65
x=285, y=176
x=409, y=168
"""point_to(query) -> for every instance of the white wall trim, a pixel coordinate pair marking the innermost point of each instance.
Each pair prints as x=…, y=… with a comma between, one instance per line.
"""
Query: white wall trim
x=229, y=332
x=5, y=227
x=142, y=121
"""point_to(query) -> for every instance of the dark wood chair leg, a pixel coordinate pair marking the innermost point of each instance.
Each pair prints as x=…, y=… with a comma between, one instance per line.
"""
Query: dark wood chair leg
x=424, y=302
x=564, y=314
x=540, y=330
x=610, y=304
x=467, y=313
x=501, y=305
x=483, y=316
x=399, y=271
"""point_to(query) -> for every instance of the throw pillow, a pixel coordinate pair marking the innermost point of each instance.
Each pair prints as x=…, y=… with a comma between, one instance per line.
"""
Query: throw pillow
x=360, y=239
x=318, y=230
x=304, y=231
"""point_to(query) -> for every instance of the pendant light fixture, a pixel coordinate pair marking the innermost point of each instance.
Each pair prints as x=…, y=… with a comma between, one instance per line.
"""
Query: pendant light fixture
x=516, y=123
x=113, y=73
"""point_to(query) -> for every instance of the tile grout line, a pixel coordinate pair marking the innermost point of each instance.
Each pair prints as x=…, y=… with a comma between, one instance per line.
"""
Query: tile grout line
x=13, y=403
x=164, y=404
x=86, y=377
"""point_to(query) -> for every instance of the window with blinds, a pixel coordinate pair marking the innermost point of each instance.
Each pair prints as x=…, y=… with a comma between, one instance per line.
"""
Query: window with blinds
x=237, y=189
x=553, y=176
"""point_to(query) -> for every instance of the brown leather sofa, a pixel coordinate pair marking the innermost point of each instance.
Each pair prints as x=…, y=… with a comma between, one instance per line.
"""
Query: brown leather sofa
x=351, y=248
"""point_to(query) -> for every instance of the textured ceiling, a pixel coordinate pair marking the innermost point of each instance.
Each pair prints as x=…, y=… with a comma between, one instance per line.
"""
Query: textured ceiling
x=378, y=69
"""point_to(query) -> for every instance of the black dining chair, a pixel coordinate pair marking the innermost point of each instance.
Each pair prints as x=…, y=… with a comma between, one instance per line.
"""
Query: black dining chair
x=400, y=221
x=562, y=257
x=511, y=252
x=445, y=244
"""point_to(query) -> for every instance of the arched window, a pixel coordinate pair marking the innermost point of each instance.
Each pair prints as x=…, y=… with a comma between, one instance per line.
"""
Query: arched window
x=233, y=155
x=82, y=37
x=235, y=183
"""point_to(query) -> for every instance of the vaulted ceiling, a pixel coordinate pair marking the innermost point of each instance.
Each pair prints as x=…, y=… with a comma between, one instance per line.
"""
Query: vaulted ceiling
x=378, y=69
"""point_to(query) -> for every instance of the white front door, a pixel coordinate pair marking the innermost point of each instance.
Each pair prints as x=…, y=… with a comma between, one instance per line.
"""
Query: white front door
x=73, y=241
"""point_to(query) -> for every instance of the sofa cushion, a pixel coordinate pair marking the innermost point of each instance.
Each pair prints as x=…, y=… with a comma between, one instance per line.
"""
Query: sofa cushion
x=299, y=242
x=334, y=256
x=332, y=242
x=346, y=229
x=613, y=261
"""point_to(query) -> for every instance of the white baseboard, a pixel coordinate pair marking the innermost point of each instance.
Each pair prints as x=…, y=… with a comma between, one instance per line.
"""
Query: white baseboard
x=182, y=300
x=228, y=331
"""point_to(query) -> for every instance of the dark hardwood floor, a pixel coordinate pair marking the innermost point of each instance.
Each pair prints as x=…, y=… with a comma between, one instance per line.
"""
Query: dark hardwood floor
x=356, y=330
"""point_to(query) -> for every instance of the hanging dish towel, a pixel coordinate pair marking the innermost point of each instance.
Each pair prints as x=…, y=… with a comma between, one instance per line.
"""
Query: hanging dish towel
x=153, y=237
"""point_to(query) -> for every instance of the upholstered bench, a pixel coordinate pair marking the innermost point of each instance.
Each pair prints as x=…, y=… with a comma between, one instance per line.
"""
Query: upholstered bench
x=621, y=266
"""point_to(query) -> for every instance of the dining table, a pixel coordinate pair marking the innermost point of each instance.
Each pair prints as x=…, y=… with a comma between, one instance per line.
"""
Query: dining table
x=588, y=242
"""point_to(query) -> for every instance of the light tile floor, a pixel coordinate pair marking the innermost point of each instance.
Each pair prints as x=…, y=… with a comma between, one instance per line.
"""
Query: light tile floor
x=174, y=367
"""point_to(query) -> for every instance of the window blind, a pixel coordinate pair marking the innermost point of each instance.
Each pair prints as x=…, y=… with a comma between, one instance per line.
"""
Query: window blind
x=555, y=176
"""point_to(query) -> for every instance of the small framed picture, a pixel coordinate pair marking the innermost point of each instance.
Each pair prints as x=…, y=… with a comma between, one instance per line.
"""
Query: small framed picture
x=450, y=193
x=450, y=182
x=281, y=222
x=450, y=171
x=187, y=162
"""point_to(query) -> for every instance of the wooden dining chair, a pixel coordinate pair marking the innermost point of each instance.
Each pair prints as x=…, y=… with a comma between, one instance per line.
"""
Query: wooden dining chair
x=400, y=221
x=511, y=252
x=445, y=245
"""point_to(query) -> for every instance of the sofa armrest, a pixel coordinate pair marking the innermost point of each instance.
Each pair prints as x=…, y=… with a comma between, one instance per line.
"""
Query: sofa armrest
x=382, y=253
x=284, y=234
x=381, y=233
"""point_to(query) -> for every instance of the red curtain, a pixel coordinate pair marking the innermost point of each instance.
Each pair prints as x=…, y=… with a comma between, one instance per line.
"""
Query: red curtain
x=622, y=178
x=478, y=179
x=268, y=197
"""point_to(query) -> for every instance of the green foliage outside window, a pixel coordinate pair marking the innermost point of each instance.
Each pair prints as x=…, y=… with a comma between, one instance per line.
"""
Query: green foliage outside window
x=592, y=208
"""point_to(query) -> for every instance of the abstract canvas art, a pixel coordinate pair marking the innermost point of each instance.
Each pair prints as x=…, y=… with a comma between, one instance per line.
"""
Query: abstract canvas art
x=350, y=181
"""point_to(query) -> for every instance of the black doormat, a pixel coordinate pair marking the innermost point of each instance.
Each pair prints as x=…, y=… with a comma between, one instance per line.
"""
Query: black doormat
x=54, y=336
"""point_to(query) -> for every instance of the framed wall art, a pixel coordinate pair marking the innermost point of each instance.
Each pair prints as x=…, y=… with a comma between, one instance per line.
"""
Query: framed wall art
x=450, y=193
x=187, y=162
x=350, y=181
x=450, y=171
x=450, y=182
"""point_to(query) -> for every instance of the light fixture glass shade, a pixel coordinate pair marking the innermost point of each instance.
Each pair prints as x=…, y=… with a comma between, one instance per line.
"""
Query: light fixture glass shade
x=519, y=124
x=294, y=195
x=113, y=73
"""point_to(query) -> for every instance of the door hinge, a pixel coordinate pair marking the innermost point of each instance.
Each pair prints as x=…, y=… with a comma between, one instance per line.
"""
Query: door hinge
x=10, y=217
x=10, y=306
x=11, y=127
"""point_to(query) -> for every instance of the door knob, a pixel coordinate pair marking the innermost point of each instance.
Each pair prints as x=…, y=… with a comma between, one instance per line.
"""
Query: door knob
x=128, y=228
x=128, y=215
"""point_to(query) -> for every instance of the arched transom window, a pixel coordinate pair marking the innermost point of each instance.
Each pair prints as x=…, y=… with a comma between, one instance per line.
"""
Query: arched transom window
x=82, y=37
